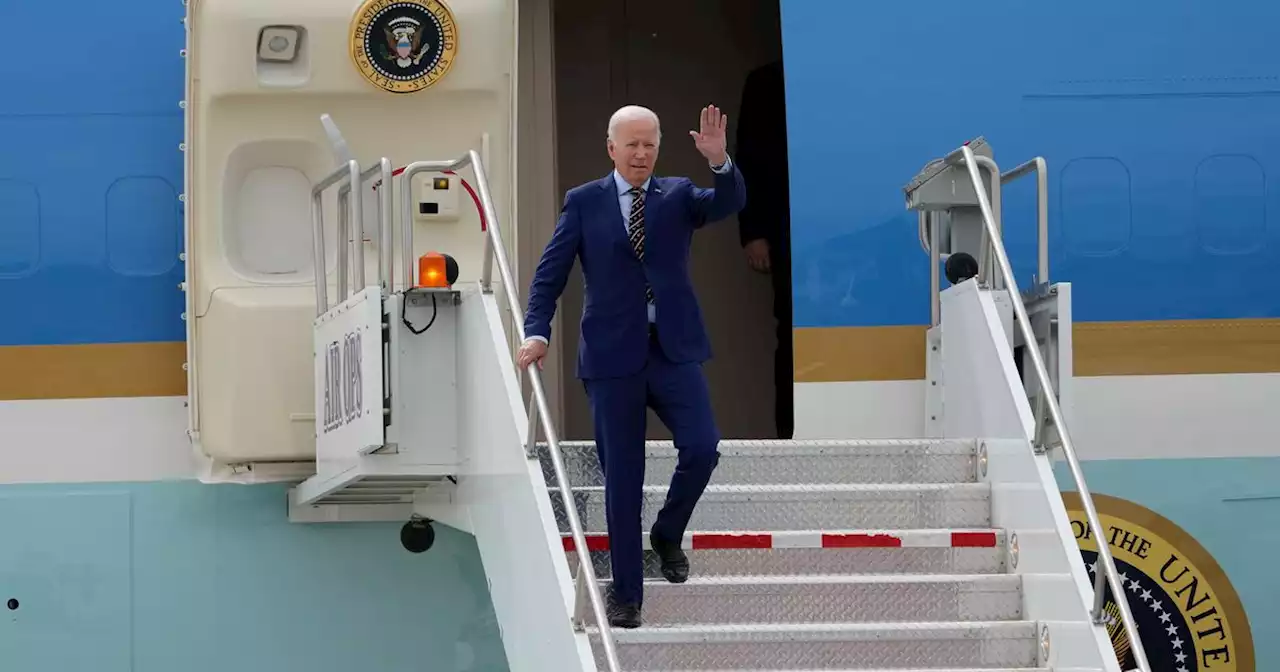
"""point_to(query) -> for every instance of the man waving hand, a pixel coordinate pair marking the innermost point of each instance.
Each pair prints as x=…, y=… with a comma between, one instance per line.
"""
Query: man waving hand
x=643, y=340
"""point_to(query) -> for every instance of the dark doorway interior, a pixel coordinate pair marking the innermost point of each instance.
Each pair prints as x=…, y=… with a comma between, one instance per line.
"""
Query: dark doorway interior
x=675, y=56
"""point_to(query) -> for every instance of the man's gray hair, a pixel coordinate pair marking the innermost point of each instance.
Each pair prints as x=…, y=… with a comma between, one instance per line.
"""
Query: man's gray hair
x=633, y=113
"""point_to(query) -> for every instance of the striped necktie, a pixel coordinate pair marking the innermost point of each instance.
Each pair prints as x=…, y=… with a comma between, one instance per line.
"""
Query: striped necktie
x=635, y=232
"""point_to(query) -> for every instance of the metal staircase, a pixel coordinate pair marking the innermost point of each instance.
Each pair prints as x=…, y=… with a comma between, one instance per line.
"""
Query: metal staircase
x=880, y=554
x=821, y=555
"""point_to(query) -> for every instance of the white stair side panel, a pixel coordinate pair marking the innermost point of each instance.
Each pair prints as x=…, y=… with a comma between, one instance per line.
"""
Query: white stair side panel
x=442, y=503
x=982, y=385
x=1022, y=506
x=1072, y=642
x=1057, y=596
x=984, y=396
x=1025, y=498
x=1017, y=505
x=934, y=410
x=1068, y=544
x=506, y=502
x=1033, y=552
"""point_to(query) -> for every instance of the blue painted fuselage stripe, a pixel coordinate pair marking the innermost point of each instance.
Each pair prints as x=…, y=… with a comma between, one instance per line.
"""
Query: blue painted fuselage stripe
x=1158, y=153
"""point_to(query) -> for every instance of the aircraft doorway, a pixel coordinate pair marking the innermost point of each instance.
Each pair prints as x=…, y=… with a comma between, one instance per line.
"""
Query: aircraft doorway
x=674, y=57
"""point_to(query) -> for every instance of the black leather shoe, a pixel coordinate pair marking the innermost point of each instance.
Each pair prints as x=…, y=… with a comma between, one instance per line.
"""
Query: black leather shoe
x=622, y=615
x=675, y=564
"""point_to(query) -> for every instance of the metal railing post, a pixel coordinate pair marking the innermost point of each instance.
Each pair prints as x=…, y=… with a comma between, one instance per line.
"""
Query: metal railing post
x=356, y=214
x=406, y=220
x=935, y=267
x=495, y=239
x=386, y=260
x=348, y=211
x=531, y=442
x=343, y=236
x=318, y=252
x=1042, y=221
x=1040, y=168
x=579, y=604
x=1106, y=562
x=986, y=261
x=348, y=172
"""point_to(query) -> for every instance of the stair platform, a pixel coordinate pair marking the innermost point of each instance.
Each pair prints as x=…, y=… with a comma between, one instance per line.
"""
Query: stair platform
x=370, y=487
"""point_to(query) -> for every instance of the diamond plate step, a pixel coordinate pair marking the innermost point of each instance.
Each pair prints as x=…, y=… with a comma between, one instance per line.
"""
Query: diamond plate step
x=826, y=647
x=791, y=507
x=791, y=462
x=834, y=599
x=775, y=560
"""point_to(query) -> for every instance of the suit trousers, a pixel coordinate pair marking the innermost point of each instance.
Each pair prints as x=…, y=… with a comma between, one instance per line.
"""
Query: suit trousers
x=679, y=395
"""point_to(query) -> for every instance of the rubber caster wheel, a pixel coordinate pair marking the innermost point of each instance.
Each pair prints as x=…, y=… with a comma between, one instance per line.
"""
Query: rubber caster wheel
x=417, y=535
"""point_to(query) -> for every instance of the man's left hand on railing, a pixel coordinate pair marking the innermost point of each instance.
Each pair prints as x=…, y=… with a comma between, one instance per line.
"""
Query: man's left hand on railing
x=533, y=350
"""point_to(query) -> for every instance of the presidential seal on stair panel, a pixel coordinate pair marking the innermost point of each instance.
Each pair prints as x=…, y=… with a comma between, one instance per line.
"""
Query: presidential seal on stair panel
x=1187, y=612
x=403, y=46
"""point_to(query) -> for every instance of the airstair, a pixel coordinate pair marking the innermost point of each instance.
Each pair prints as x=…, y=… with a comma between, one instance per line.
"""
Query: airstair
x=947, y=552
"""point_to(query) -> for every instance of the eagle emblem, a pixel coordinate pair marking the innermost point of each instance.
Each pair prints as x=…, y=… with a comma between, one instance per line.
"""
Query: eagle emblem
x=404, y=43
x=403, y=46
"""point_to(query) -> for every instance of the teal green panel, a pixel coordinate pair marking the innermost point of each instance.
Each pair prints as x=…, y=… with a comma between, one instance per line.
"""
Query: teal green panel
x=215, y=578
x=65, y=566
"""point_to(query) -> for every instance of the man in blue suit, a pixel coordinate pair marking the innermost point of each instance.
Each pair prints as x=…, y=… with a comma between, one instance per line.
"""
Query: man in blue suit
x=643, y=341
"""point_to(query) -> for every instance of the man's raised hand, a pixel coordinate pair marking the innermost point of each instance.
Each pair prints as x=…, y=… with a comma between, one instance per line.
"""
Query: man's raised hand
x=709, y=139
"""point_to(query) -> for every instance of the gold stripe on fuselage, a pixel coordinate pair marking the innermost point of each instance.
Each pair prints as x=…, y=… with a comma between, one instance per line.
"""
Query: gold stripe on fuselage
x=1149, y=348
x=94, y=370
x=822, y=354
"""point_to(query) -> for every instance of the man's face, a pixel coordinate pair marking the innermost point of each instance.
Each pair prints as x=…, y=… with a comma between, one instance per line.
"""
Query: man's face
x=634, y=150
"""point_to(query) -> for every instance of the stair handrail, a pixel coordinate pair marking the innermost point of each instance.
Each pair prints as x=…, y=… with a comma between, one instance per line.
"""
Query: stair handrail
x=964, y=156
x=539, y=409
x=1037, y=166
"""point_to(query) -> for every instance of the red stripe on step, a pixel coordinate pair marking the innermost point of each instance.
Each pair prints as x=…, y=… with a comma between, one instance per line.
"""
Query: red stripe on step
x=594, y=543
x=860, y=541
x=973, y=539
x=713, y=541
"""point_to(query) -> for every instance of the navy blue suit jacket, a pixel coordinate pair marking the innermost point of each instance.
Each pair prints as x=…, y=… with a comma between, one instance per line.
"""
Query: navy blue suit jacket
x=615, y=333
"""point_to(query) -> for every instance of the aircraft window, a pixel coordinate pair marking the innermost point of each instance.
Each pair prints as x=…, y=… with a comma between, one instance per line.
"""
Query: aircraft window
x=269, y=229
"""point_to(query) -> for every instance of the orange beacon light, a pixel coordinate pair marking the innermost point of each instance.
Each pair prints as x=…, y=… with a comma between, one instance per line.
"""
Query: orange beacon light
x=433, y=271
